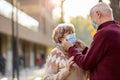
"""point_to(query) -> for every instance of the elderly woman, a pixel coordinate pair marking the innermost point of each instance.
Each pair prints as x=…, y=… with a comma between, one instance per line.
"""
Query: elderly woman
x=59, y=65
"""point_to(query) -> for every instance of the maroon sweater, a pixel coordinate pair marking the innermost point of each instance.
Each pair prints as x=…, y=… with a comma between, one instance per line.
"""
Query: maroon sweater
x=103, y=56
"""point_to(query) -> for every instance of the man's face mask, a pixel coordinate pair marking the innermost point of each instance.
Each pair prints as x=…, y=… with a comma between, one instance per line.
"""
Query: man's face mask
x=71, y=37
x=95, y=26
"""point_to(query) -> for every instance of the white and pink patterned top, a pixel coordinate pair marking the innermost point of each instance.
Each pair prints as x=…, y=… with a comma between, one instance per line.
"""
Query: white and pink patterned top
x=56, y=70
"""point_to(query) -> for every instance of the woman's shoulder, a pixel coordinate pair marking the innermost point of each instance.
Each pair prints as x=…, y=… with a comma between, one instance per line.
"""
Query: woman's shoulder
x=55, y=55
x=56, y=52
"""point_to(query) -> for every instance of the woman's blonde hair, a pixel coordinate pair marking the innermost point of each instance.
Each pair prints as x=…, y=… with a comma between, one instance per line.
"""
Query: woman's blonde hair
x=60, y=30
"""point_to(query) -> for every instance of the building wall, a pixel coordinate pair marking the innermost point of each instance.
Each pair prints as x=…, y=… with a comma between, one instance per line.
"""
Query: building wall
x=31, y=43
x=31, y=56
x=9, y=55
x=27, y=34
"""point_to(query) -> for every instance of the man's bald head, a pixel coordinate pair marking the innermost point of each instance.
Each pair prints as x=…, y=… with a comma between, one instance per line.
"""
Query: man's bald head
x=101, y=11
x=103, y=8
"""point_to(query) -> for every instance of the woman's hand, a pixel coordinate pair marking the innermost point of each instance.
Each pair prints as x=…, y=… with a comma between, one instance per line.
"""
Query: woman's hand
x=70, y=63
x=66, y=45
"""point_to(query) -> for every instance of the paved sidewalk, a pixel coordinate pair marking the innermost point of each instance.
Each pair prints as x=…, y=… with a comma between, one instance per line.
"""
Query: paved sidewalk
x=25, y=74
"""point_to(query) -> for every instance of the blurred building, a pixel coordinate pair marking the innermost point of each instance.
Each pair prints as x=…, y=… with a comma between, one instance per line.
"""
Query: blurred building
x=35, y=27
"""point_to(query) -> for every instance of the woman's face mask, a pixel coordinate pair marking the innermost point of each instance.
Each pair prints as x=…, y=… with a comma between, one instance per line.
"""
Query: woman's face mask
x=71, y=37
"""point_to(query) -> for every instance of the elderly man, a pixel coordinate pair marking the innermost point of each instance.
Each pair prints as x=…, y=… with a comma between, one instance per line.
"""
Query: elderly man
x=103, y=56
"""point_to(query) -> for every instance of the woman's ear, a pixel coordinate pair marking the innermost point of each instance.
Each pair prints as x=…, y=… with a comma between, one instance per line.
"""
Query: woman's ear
x=59, y=40
x=62, y=40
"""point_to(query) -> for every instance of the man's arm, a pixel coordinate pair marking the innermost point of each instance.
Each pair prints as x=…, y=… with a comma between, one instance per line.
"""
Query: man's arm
x=85, y=51
x=94, y=54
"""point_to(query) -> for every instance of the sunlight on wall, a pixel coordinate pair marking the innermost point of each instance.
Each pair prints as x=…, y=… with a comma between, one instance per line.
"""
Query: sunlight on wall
x=23, y=19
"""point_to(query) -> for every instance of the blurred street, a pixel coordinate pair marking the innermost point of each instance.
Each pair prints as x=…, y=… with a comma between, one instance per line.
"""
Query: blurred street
x=26, y=74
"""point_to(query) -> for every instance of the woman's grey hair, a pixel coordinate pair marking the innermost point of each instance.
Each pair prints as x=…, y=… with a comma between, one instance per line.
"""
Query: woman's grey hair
x=60, y=30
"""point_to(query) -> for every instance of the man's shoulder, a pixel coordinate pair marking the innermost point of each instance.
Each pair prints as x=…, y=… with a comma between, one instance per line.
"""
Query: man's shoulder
x=109, y=32
x=102, y=32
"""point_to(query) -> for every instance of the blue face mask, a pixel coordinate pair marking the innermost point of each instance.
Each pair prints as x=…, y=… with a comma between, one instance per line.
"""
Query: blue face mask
x=72, y=38
x=95, y=26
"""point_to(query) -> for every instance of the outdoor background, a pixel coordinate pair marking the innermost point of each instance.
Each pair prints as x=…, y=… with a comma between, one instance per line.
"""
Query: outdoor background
x=26, y=27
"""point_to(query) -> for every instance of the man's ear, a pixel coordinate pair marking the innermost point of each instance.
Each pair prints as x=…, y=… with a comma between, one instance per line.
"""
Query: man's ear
x=98, y=14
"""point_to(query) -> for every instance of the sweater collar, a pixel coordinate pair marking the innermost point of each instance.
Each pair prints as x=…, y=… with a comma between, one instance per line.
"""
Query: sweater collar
x=63, y=51
x=106, y=24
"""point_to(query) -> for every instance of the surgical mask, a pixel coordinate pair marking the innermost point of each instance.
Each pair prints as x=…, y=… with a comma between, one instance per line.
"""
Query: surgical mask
x=71, y=37
x=95, y=26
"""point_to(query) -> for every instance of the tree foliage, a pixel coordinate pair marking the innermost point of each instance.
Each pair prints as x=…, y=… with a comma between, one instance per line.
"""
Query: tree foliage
x=115, y=5
x=83, y=28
